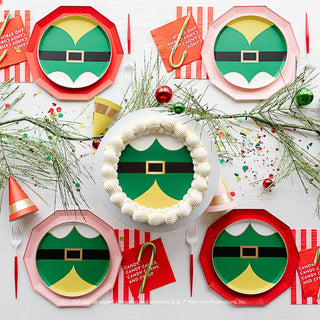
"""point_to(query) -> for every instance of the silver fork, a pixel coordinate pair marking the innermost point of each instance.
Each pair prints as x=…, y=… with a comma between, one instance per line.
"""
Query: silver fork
x=16, y=241
x=191, y=239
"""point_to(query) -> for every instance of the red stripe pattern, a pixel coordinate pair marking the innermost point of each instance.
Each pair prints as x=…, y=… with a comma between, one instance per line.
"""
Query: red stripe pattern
x=305, y=239
x=203, y=17
x=128, y=238
x=19, y=72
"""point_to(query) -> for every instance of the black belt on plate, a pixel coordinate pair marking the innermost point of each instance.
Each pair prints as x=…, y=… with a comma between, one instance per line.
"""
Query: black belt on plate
x=248, y=56
x=155, y=167
x=72, y=254
x=78, y=56
x=250, y=252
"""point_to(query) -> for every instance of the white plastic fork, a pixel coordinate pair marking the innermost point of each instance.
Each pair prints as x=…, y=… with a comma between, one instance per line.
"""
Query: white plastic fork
x=16, y=242
x=191, y=239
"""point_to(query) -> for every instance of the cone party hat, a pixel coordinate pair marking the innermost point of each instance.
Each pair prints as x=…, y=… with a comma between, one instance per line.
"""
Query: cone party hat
x=19, y=203
x=222, y=200
x=104, y=113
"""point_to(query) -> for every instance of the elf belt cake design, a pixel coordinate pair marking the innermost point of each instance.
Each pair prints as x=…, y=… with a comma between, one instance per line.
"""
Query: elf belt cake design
x=155, y=185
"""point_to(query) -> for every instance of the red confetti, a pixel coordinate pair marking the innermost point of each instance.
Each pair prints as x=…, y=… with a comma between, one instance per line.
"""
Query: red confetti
x=232, y=193
x=96, y=143
x=7, y=105
x=271, y=176
x=58, y=109
x=273, y=131
x=51, y=110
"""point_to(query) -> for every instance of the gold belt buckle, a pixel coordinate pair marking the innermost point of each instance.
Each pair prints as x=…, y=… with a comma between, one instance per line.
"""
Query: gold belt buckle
x=163, y=171
x=244, y=255
x=69, y=57
x=249, y=52
x=73, y=254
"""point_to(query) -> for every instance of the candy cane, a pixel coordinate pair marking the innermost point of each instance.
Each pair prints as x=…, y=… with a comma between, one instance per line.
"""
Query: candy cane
x=150, y=262
x=4, y=24
x=316, y=257
x=176, y=44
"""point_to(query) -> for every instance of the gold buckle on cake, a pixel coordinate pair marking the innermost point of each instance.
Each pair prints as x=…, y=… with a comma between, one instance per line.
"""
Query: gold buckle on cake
x=251, y=256
x=163, y=167
x=72, y=258
x=69, y=57
x=250, y=60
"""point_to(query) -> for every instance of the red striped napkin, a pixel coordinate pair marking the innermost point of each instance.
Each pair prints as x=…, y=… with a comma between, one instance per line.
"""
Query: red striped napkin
x=305, y=239
x=203, y=17
x=19, y=72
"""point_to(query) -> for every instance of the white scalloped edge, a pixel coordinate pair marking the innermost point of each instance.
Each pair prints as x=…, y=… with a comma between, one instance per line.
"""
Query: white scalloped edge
x=141, y=127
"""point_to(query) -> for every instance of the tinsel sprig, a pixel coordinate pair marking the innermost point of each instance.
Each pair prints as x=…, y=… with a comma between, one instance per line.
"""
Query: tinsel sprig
x=40, y=152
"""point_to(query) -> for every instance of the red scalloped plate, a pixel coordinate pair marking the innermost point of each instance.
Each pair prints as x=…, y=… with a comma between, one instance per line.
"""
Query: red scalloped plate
x=235, y=294
x=60, y=88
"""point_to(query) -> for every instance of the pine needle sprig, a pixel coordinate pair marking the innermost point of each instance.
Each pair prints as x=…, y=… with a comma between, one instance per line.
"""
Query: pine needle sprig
x=41, y=152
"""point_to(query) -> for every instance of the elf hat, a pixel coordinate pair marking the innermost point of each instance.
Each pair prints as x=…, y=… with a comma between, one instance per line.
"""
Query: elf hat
x=222, y=200
x=19, y=203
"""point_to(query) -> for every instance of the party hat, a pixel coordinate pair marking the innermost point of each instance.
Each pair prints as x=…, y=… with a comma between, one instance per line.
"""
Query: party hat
x=19, y=203
x=104, y=112
x=222, y=200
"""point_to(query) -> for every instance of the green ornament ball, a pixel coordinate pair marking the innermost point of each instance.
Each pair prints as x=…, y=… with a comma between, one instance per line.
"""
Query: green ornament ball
x=304, y=97
x=178, y=107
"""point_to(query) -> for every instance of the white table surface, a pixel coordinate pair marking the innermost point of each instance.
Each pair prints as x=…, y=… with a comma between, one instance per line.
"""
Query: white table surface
x=288, y=202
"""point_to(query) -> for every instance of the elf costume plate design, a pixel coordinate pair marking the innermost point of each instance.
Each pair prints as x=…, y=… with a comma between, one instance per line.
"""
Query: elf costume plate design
x=75, y=264
x=249, y=256
x=72, y=258
x=250, y=262
x=80, y=57
x=250, y=52
x=74, y=52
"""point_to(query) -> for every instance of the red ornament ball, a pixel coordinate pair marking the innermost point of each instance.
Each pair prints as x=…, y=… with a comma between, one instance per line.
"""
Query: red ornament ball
x=163, y=94
x=267, y=183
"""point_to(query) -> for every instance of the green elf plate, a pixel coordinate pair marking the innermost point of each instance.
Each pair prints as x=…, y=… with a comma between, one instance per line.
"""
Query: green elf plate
x=166, y=180
x=72, y=259
x=252, y=261
x=74, y=52
x=250, y=52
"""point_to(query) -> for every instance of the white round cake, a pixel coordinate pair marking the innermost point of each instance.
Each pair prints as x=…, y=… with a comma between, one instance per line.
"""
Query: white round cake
x=156, y=169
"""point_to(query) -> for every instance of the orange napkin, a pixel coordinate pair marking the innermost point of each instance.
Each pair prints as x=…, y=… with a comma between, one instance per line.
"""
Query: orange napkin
x=15, y=39
x=165, y=38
